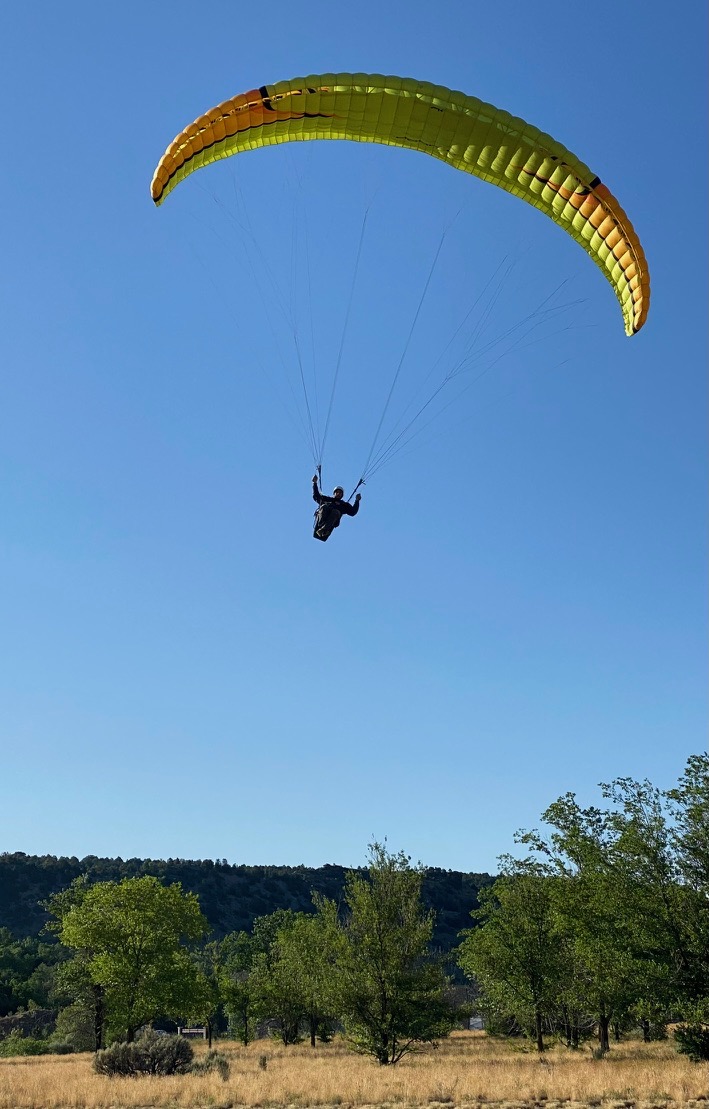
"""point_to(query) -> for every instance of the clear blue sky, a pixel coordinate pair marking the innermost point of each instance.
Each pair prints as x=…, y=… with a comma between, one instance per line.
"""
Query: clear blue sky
x=519, y=608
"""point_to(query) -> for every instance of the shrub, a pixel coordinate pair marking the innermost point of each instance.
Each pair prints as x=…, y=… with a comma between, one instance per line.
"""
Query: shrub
x=693, y=1040
x=150, y=1054
x=17, y=1044
x=212, y=1061
x=119, y=1058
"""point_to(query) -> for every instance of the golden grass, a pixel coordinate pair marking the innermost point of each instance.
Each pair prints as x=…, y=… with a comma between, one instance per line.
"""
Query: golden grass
x=469, y=1069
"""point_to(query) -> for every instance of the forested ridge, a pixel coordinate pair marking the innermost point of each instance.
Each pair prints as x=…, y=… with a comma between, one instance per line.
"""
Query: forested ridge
x=230, y=896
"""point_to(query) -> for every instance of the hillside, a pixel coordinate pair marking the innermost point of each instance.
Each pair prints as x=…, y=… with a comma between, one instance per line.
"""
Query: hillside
x=230, y=896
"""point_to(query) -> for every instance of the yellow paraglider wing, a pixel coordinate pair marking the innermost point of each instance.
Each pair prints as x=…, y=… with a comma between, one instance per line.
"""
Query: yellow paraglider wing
x=460, y=130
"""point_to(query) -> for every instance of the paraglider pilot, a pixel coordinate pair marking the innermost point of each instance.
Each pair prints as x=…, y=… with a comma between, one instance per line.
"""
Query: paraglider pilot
x=331, y=510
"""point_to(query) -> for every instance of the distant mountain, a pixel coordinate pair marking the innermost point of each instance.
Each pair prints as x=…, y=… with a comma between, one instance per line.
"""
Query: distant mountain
x=230, y=896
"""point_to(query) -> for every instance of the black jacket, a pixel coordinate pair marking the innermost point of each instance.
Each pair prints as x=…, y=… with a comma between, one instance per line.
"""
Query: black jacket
x=343, y=507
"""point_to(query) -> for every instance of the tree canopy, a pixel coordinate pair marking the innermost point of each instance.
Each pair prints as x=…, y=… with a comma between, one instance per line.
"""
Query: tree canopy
x=129, y=935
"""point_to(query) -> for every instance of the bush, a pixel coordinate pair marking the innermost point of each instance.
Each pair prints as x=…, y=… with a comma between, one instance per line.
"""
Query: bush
x=693, y=1040
x=17, y=1044
x=119, y=1058
x=212, y=1061
x=150, y=1054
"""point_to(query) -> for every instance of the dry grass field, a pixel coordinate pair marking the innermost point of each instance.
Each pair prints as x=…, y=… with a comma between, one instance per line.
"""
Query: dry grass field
x=467, y=1070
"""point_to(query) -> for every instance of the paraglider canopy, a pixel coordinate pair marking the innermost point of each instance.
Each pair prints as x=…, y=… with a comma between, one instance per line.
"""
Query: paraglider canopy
x=461, y=130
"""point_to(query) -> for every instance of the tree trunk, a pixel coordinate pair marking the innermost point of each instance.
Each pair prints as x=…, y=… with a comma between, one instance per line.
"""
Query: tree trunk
x=538, y=1030
x=383, y=1053
x=99, y=1016
x=313, y=1030
x=603, y=1040
x=245, y=1036
x=289, y=1031
x=616, y=1032
x=645, y=1025
x=209, y=1033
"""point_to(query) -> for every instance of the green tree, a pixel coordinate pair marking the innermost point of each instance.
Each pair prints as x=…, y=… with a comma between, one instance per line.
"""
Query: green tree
x=207, y=1002
x=237, y=988
x=278, y=998
x=391, y=990
x=689, y=803
x=130, y=936
x=28, y=970
x=74, y=984
x=518, y=955
x=302, y=969
x=689, y=812
x=655, y=903
x=626, y=893
x=594, y=895
x=76, y=991
x=76, y=1025
x=636, y=894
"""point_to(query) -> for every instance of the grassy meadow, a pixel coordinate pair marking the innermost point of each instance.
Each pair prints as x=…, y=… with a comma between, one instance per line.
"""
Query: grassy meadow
x=467, y=1069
